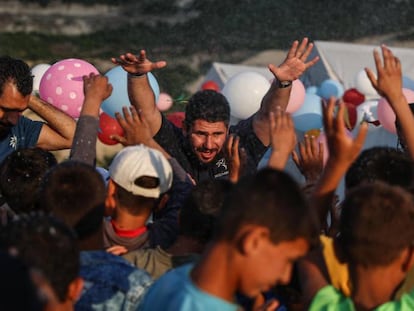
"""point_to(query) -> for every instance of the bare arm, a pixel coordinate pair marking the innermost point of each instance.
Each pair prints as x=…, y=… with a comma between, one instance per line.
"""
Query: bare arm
x=389, y=85
x=292, y=68
x=343, y=150
x=140, y=92
x=60, y=128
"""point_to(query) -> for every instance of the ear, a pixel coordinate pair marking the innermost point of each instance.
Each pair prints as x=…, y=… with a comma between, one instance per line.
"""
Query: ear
x=75, y=289
x=251, y=240
x=110, y=202
x=408, y=261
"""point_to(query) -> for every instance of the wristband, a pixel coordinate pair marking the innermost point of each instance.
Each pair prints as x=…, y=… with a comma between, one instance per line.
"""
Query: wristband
x=136, y=75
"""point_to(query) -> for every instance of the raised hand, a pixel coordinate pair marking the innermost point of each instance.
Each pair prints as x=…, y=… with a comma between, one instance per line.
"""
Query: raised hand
x=236, y=157
x=282, y=138
x=309, y=161
x=295, y=63
x=389, y=81
x=96, y=86
x=137, y=64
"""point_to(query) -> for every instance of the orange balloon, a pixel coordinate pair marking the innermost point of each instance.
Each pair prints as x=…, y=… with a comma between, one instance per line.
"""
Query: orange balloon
x=108, y=126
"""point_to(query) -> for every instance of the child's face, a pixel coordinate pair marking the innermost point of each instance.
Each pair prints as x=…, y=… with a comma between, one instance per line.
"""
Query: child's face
x=271, y=265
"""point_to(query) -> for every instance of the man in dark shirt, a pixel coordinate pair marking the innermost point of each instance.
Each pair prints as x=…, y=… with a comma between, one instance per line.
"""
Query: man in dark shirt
x=199, y=147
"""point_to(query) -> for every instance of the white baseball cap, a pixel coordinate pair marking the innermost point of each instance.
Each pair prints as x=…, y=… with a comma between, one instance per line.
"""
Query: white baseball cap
x=134, y=162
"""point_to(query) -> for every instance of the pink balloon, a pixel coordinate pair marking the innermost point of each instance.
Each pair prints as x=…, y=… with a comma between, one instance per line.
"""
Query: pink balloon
x=385, y=113
x=62, y=85
x=164, y=102
x=297, y=96
x=322, y=139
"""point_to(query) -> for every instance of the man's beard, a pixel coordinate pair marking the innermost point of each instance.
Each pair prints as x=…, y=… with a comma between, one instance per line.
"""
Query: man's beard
x=5, y=129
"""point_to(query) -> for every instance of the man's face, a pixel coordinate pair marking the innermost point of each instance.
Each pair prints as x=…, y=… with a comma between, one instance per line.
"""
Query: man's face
x=207, y=139
x=272, y=266
x=12, y=104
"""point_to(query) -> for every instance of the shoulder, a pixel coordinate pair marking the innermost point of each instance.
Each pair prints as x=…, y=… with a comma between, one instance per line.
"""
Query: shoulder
x=328, y=298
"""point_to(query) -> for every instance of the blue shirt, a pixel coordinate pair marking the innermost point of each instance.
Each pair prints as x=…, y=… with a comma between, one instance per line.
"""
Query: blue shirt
x=110, y=283
x=24, y=134
x=175, y=291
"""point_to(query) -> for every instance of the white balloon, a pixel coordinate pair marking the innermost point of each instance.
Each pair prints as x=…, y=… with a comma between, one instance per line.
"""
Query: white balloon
x=363, y=84
x=38, y=71
x=245, y=91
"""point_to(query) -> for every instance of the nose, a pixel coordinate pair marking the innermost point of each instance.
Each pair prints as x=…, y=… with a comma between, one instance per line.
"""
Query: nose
x=208, y=142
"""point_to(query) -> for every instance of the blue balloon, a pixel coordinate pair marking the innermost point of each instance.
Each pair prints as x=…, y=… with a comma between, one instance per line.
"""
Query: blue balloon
x=309, y=115
x=330, y=88
x=119, y=97
x=312, y=89
x=408, y=83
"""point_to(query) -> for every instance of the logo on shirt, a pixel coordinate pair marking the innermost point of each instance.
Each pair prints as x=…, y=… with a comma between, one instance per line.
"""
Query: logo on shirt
x=13, y=142
x=221, y=163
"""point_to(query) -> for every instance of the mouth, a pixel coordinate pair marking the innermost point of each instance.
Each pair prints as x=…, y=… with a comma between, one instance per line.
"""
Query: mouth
x=207, y=155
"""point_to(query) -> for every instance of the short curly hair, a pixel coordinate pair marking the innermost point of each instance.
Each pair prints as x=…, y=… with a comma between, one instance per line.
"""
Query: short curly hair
x=207, y=105
x=18, y=72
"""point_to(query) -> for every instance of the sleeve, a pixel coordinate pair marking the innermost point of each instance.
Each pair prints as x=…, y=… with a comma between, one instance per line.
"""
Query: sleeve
x=27, y=132
x=84, y=141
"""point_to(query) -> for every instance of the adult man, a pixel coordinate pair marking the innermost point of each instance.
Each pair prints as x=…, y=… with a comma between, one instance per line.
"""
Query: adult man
x=16, y=131
x=199, y=149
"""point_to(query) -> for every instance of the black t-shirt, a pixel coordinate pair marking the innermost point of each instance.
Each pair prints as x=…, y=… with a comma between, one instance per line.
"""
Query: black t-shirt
x=172, y=139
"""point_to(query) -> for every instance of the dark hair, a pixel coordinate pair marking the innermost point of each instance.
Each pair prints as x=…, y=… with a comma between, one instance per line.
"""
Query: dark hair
x=21, y=174
x=381, y=163
x=74, y=191
x=272, y=199
x=17, y=290
x=134, y=204
x=44, y=243
x=198, y=216
x=376, y=224
x=207, y=105
x=401, y=138
x=15, y=71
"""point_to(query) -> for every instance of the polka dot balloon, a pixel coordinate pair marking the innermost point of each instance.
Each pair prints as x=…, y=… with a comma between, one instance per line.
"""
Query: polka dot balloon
x=62, y=85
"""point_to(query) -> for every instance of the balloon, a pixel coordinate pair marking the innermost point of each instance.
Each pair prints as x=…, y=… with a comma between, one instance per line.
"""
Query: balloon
x=352, y=115
x=330, y=88
x=312, y=89
x=385, y=113
x=108, y=126
x=297, y=96
x=353, y=96
x=367, y=111
x=245, y=91
x=309, y=115
x=164, y=102
x=38, y=71
x=119, y=97
x=177, y=118
x=408, y=83
x=363, y=84
x=62, y=85
x=210, y=85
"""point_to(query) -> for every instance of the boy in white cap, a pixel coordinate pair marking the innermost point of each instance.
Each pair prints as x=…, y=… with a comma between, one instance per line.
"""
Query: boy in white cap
x=140, y=181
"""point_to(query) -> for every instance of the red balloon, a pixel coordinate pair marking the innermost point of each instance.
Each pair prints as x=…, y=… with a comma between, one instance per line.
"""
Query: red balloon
x=176, y=118
x=353, y=96
x=210, y=85
x=108, y=126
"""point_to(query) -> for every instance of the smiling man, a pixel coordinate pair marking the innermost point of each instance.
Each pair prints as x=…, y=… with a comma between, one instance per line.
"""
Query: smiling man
x=17, y=131
x=199, y=147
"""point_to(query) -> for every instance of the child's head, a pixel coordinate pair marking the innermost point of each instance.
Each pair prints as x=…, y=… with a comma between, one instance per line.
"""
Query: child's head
x=381, y=163
x=376, y=224
x=269, y=223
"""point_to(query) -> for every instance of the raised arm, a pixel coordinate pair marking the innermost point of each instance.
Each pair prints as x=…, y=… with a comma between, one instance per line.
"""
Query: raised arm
x=343, y=150
x=59, y=130
x=278, y=95
x=140, y=92
x=96, y=89
x=389, y=85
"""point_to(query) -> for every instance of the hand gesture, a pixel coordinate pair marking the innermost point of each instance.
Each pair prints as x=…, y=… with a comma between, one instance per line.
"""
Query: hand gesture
x=295, y=63
x=137, y=64
x=342, y=148
x=310, y=158
x=96, y=86
x=236, y=157
x=389, y=81
x=282, y=138
x=136, y=129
